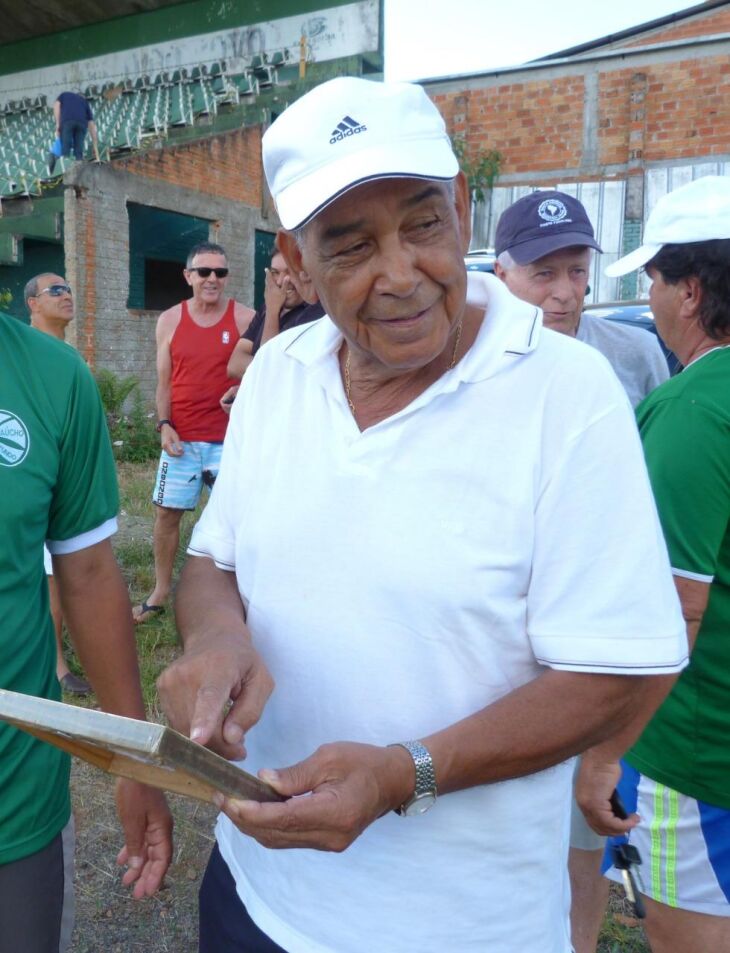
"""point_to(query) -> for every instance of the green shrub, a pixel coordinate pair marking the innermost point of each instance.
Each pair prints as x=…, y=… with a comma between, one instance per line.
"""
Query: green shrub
x=132, y=433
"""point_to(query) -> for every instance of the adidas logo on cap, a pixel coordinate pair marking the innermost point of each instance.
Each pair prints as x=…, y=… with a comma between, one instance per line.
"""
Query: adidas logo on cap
x=348, y=127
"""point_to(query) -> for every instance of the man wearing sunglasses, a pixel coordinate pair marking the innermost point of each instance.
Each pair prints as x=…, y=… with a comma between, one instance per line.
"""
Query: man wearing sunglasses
x=50, y=303
x=195, y=340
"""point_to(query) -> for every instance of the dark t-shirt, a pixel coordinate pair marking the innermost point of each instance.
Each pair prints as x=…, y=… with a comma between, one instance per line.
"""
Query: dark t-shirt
x=302, y=314
x=74, y=108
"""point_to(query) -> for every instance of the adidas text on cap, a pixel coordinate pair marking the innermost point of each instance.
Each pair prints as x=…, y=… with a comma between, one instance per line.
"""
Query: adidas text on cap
x=696, y=212
x=349, y=131
x=541, y=223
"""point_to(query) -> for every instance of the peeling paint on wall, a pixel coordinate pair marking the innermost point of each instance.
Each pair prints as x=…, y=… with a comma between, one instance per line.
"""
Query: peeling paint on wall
x=331, y=33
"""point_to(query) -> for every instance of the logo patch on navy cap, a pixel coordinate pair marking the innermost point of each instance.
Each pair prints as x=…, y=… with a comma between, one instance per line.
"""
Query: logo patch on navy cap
x=552, y=211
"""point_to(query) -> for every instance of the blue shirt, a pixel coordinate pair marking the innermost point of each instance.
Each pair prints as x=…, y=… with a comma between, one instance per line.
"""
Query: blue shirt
x=75, y=108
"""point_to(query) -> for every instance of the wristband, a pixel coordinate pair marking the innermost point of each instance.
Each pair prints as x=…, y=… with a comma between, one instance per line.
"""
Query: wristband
x=161, y=423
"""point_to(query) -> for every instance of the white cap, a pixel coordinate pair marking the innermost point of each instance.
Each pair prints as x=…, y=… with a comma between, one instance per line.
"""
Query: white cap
x=696, y=212
x=349, y=131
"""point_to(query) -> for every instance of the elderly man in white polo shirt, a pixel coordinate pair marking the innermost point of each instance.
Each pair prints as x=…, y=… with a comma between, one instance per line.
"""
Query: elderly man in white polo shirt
x=428, y=557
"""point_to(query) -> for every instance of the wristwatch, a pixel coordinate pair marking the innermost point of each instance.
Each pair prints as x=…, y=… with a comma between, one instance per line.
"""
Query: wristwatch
x=424, y=795
x=161, y=423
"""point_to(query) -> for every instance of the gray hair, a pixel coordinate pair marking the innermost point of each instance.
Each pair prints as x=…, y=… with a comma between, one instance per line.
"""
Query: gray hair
x=204, y=248
x=506, y=260
x=300, y=232
x=31, y=287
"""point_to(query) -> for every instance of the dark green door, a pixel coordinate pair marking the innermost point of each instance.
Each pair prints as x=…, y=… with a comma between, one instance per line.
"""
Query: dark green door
x=264, y=247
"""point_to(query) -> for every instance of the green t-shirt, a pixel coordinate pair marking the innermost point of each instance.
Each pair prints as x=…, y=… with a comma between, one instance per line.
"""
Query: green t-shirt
x=685, y=429
x=57, y=482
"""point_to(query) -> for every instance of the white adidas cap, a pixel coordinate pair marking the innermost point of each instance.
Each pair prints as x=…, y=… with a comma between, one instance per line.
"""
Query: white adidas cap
x=349, y=131
x=696, y=212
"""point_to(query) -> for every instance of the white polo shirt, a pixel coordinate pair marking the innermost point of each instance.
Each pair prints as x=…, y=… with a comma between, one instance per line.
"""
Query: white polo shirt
x=402, y=578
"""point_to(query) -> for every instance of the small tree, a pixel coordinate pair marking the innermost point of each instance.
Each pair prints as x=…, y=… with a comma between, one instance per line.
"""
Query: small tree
x=481, y=168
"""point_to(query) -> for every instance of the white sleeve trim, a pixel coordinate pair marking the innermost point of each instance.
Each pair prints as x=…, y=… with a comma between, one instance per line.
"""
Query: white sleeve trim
x=60, y=547
x=624, y=655
x=629, y=668
x=686, y=574
x=221, y=551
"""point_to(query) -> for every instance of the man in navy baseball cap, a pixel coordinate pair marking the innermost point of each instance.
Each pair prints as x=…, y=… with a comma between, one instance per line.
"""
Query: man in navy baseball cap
x=541, y=223
x=544, y=244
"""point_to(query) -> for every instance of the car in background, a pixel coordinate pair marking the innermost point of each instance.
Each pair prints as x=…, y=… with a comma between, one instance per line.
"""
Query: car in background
x=636, y=314
x=480, y=259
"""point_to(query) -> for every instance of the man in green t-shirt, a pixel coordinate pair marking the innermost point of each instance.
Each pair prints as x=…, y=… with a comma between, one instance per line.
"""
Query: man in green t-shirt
x=58, y=486
x=677, y=775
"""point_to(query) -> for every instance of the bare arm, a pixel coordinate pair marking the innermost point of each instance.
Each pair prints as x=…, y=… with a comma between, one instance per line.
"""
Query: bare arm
x=94, y=138
x=240, y=358
x=600, y=770
x=166, y=324
x=57, y=116
x=96, y=606
x=274, y=298
x=219, y=665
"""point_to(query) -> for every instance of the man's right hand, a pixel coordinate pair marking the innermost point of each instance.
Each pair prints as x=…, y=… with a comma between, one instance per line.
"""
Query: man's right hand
x=214, y=694
x=170, y=441
x=275, y=296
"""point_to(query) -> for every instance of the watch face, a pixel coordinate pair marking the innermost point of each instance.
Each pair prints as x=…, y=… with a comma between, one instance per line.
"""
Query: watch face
x=420, y=804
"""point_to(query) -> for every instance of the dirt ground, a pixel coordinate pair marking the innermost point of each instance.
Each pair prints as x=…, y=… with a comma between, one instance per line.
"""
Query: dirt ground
x=107, y=919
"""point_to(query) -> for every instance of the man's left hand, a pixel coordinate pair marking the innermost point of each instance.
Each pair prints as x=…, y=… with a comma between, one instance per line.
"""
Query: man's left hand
x=597, y=780
x=347, y=787
x=147, y=825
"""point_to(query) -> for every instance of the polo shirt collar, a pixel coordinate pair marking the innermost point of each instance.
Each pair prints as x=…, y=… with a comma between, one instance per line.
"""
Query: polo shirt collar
x=511, y=328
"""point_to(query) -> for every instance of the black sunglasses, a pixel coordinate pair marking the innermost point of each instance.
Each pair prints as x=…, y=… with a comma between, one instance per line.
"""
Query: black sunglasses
x=206, y=272
x=55, y=291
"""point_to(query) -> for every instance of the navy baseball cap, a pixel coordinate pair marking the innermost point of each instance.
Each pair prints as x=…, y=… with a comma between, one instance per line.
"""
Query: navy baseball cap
x=540, y=223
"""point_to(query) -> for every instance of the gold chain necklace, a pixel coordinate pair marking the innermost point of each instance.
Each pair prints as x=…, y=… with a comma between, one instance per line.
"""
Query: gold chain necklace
x=348, y=382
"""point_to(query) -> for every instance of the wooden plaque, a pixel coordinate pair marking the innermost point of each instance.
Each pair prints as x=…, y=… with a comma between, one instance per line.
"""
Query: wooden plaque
x=141, y=750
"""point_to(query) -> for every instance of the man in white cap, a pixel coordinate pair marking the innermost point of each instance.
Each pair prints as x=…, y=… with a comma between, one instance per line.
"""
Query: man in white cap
x=677, y=776
x=427, y=555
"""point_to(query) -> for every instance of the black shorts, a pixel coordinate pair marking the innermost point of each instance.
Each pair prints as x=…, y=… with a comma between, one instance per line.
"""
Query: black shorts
x=225, y=926
x=36, y=899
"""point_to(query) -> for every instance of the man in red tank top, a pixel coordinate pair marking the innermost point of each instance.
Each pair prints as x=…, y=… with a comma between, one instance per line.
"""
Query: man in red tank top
x=194, y=343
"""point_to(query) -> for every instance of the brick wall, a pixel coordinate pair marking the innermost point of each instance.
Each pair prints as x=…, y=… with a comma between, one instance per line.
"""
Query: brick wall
x=704, y=24
x=532, y=126
x=597, y=118
x=225, y=166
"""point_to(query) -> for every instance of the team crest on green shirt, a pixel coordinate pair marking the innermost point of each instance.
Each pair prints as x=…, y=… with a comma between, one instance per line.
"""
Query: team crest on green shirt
x=14, y=439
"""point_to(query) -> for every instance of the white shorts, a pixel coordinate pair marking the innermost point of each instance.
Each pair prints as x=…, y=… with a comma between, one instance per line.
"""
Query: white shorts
x=684, y=846
x=180, y=480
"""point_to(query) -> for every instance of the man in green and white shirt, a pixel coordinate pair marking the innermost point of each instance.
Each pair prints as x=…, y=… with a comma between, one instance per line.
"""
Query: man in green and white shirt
x=58, y=486
x=677, y=775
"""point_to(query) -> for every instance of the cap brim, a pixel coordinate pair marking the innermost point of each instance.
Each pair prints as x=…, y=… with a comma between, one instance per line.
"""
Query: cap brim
x=635, y=259
x=422, y=159
x=528, y=252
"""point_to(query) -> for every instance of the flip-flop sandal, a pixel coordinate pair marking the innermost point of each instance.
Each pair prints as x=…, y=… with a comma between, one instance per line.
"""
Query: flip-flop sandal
x=147, y=612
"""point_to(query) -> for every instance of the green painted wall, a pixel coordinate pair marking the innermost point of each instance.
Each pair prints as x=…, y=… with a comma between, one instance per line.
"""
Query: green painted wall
x=170, y=23
x=37, y=257
x=161, y=235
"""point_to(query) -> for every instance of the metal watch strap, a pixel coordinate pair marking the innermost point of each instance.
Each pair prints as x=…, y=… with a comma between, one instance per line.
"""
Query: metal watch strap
x=425, y=777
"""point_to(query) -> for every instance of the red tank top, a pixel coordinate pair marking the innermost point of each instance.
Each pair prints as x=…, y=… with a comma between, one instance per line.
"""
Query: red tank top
x=199, y=380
